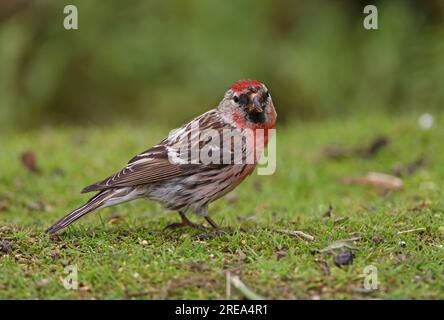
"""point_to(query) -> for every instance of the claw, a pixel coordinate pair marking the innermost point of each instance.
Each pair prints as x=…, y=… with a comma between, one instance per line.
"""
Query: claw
x=185, y=223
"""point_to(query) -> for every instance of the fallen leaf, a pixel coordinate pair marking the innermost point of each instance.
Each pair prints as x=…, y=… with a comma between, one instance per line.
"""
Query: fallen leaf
x=376, y=179
x=295, y=233
x=29, y=161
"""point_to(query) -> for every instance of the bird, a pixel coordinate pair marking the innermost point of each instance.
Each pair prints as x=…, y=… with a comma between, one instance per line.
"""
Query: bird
x=166, y=173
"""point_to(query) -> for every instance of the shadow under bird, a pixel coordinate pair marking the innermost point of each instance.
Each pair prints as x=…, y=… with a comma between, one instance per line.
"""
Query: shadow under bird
x=188, y=187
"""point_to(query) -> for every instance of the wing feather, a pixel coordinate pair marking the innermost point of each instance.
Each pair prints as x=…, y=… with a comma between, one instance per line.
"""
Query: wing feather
x=143, y=170
x=154, y=165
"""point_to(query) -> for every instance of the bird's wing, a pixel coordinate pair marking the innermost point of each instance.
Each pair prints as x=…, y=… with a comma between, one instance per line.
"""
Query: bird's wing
x=151, y=166
x=162, y=162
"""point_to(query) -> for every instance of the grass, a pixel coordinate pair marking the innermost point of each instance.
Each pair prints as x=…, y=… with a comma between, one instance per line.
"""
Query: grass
x=121, y=252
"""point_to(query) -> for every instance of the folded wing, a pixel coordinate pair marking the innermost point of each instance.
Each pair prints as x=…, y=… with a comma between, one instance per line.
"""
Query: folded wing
x=155, y=164
x=150, y=166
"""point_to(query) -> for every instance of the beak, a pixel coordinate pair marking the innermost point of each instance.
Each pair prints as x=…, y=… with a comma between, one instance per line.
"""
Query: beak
x=256, y=105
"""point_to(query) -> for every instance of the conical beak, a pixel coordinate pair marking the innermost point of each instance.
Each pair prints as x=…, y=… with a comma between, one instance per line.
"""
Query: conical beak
x=256, y=105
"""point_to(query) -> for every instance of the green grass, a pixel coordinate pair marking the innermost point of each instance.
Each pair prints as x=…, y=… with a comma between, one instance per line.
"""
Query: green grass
x=121, y=252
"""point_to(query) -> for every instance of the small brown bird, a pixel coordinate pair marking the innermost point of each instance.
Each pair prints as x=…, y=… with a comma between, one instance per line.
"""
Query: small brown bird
x=187, y=185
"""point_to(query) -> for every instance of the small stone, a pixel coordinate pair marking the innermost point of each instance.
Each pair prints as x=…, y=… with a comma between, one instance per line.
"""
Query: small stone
x=343, y=258
x=402, y=244
x=5, y=246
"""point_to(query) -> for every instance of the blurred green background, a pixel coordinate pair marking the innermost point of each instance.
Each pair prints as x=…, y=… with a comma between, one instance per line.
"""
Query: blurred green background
x=167, y=61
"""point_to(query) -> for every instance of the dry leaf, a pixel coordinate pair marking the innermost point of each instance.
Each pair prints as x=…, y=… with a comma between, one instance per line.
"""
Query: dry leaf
x=29, y=161
x=376, y=179
x=295, y=233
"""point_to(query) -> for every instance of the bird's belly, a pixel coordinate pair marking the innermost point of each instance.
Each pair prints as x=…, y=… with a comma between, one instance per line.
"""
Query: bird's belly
x=196, y=191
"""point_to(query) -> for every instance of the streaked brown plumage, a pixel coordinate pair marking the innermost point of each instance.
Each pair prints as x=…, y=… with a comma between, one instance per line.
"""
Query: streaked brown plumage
x=188, y=186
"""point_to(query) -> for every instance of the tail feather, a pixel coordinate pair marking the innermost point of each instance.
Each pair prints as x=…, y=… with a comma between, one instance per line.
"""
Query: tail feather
x=94, y=203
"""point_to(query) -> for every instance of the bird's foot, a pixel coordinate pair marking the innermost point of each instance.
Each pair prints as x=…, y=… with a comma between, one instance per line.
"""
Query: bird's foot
x=185, y=223
x=177, y=225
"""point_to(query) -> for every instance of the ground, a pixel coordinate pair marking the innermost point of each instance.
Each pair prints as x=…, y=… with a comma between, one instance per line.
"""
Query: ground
x=122, y=252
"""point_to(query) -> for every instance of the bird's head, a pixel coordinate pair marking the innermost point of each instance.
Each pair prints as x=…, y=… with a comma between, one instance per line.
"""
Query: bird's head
x=248, y=103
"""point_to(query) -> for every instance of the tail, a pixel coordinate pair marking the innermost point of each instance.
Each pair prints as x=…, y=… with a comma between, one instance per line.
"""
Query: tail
x=96, y=202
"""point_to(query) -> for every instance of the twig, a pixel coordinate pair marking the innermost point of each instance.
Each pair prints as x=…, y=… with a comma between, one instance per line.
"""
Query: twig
x=238, y=284
x=340, y=244
x=295, y=233
x=412, y=230
x=228, y=286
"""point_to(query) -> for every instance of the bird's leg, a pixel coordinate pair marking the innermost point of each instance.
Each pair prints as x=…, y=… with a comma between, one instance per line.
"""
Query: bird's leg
x=185, y=223
x=212, y=223
x=218, y=232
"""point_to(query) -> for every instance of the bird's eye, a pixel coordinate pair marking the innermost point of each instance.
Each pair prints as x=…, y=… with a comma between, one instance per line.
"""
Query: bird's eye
x=243, y=99
x=267, y=94
x=236, y=99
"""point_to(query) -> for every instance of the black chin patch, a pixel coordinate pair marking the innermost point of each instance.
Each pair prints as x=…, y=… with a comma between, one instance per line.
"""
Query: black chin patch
x=256, y=117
